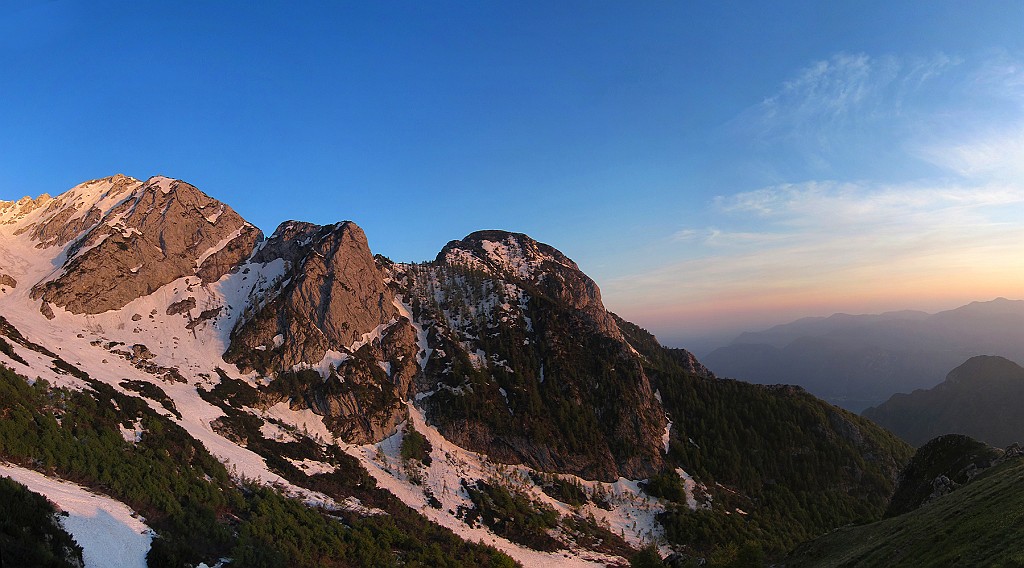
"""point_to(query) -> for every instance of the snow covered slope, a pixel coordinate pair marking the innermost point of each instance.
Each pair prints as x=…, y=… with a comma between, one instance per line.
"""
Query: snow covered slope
x=111, y=534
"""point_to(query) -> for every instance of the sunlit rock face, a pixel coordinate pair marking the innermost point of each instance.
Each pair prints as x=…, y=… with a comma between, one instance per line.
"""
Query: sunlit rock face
x=124, y=239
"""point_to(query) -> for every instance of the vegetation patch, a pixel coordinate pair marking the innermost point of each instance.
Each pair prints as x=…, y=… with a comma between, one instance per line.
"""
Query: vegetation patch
x=8, y=350
x=780, y=466
x=569, y=492
x=415, y=446
x=197, y=510
x=587, y=533
x=512, y=515
x=152, y=392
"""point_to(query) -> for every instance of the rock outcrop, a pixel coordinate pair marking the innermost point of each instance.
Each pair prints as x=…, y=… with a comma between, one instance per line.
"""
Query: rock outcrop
x=940, y=467
x=332, y=294
x=516, y=257
x=131, y=238
x=13, y=211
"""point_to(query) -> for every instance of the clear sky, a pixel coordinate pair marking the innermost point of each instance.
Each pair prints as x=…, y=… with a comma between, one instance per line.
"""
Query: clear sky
x=715, y=166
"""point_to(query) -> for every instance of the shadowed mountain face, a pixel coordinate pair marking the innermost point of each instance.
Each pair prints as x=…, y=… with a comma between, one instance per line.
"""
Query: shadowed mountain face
x=981, y=398
x=860, y=361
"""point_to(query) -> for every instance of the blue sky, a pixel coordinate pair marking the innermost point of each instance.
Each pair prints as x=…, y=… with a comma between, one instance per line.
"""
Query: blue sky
x=714, y=166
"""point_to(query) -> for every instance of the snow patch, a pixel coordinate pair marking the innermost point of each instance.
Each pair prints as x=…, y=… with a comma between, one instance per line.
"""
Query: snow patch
x=633, y=513
x=331, y=359
x=424, y=351
x=313, y=467
x=304, y=420
x=110, y=533
x=212, y=219
x=134, y=434
x=665, y=435
x=689, y=485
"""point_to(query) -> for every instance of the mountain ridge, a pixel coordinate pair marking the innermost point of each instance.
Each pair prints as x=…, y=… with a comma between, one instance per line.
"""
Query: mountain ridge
x=978, y=398
x=860, y=361
x=531, y=397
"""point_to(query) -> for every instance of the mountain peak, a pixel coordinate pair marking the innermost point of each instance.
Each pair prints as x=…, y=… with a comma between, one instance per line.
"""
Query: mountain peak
x=519, y=258
x=121, y=239
x=503, y=253
x=985, y=367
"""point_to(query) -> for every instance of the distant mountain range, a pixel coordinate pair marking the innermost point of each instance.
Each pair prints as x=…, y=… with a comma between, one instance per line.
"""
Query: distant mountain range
x=856, y=361
x=983, y=398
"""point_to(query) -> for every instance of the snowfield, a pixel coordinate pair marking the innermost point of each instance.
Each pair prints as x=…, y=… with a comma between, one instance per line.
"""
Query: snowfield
x=110, y=533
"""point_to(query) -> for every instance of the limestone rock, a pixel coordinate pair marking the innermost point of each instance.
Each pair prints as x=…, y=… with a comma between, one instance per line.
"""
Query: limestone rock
x=153, y=234
x=334, y=294
x=13, y=211
x=76, y=211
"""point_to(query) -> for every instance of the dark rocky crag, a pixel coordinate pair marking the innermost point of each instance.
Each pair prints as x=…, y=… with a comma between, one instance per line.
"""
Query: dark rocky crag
x=940, y=467
x=516, y=257
x=528, y=366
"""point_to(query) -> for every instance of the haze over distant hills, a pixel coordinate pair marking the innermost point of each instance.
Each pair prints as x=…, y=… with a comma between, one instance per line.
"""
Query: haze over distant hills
x=981, y=398
x=856, y=361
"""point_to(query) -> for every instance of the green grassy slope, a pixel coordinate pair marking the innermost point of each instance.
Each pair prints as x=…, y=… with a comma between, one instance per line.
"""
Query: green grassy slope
x=981, y=524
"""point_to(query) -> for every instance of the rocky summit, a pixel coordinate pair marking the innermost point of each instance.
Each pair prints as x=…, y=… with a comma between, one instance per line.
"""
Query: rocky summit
x=485, y=395
x=123, y=239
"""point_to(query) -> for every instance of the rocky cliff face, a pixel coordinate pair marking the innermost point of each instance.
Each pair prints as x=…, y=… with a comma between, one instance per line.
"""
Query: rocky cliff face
x=127, y=238
x=330, y=334
x=331, y=295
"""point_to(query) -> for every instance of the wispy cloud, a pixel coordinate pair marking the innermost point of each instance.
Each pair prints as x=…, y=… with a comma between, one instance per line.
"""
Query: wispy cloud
x=818, y=241
x=993, y=154
x=831, y=96
x=893, y=181
x=983, y=135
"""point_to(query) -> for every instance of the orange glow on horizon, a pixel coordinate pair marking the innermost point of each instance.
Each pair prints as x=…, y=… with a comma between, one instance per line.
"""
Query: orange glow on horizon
x=755, y=308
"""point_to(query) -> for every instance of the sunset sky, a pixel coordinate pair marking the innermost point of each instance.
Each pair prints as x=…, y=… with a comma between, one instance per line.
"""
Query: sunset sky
x=714, y=166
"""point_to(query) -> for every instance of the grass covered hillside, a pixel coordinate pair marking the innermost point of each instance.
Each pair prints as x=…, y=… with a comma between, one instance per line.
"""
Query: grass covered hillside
x=977, y=525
